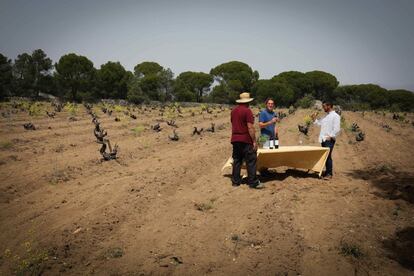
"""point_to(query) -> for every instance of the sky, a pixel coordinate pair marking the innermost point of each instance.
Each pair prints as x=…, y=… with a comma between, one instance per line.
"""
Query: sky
x=369, y=41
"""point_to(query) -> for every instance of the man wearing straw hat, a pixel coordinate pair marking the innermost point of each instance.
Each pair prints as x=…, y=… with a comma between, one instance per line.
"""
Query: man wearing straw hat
x=243, y=139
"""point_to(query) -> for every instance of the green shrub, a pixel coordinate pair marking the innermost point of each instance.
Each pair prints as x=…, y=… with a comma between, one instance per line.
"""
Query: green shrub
x=138, y=129
x=6, y=145
x=306, y=102
x=350, y=250
x=35, y=109
x=72, y=108
x=307, y=120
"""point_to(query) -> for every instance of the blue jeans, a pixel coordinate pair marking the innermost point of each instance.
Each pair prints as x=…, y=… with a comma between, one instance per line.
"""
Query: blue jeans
x=329, y=163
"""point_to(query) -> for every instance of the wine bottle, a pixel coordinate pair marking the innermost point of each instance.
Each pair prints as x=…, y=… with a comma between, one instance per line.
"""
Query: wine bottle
x=276, y=141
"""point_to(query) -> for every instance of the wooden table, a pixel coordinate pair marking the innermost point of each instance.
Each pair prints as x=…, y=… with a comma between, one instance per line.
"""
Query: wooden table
x=300, y=157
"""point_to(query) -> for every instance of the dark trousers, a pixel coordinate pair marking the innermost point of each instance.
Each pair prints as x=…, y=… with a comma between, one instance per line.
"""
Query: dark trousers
x=243, y=151
x=329, y=163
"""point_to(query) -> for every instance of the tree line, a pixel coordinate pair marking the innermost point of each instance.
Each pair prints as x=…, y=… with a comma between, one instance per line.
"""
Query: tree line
x=74, y=78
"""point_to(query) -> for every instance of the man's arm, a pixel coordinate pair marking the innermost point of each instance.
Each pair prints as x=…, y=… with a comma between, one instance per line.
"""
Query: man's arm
x=315, y=121
x=262, y=123
x=252, y=133
x=265, y=124
x=336, y=127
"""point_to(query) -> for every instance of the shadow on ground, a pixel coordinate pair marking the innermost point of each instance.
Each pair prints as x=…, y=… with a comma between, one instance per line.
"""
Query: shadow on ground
x=280, y=176
x=272, y=175
x=391, y=183
x=401, y=247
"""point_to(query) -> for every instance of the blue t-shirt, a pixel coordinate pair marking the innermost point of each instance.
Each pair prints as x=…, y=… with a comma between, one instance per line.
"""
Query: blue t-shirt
x=266, y=116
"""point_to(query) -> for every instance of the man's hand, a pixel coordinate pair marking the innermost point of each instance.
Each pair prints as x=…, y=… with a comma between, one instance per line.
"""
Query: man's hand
x=314, y=115
x=254, y=146
x=252, y=131
x=275, y=120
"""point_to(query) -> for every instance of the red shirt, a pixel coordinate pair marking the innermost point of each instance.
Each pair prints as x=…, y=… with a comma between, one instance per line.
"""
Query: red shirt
x=240, y=116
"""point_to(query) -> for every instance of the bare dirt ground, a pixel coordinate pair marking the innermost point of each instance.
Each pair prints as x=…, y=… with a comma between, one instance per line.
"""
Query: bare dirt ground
x=165, y=207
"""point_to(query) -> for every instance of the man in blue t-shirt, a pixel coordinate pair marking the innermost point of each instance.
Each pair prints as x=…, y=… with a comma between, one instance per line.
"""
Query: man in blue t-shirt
x=267, y=122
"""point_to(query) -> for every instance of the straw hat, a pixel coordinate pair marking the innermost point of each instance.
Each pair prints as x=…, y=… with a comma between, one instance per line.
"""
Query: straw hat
x=244, y=98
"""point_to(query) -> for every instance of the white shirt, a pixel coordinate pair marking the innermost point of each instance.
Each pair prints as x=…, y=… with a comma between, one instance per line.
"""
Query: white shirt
x=330, y=126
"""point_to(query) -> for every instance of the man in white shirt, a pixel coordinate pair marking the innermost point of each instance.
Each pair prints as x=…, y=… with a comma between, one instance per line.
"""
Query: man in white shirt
x=330, y=127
